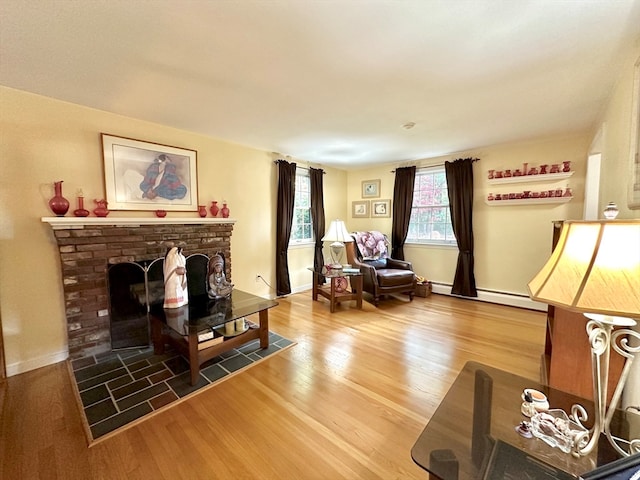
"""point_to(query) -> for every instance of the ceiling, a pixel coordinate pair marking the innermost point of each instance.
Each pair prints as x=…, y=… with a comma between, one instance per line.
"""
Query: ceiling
x=330, y=82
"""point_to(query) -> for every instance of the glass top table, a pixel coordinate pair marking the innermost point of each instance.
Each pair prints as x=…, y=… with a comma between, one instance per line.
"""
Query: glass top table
x=477, y=418
x=202, y=312
x=180, y=327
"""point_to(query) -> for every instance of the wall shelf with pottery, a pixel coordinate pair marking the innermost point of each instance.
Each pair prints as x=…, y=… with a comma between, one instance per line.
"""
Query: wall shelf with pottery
x=526, y=201
x=547, y=177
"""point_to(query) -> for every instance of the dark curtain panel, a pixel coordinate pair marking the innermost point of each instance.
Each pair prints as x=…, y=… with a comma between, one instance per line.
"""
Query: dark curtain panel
x=317, y=216
x=402, y=201
x=460, y=184
x=284, y=220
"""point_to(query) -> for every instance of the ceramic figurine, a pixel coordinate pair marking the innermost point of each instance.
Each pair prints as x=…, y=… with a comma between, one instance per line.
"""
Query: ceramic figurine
x=175, y=279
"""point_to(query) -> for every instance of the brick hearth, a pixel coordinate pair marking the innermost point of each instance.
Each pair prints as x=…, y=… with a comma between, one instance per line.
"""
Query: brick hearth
x=86, y=251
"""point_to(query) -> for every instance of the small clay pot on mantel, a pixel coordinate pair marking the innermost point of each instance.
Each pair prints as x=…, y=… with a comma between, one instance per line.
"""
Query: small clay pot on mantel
x=101, y=209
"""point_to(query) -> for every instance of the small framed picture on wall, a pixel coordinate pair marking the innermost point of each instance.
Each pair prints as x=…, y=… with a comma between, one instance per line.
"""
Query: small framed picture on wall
x=360, y=209
x=380, y=208
x=370, y=188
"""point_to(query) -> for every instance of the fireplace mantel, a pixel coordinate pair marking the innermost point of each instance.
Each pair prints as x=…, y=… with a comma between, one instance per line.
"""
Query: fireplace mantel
x=66, y=223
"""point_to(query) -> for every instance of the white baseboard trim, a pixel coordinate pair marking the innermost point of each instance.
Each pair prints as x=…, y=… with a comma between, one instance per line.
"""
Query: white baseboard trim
x=502, y=298
x=302, y=288
x=34, y=363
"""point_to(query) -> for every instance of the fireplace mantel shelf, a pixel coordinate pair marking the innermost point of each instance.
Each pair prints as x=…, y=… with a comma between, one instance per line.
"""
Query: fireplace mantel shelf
x=61, y=223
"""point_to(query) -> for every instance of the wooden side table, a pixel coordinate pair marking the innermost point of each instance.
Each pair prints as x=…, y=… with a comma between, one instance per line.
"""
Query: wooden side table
x=337, y=290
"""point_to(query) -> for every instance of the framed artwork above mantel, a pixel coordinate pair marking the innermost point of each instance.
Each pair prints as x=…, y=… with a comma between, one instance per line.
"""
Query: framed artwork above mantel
x=143, y=175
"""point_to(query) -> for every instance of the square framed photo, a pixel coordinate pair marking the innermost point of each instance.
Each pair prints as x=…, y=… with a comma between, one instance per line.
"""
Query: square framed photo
x=360, y=209
x=380, y=208
x=142, y=175
x=370, y=188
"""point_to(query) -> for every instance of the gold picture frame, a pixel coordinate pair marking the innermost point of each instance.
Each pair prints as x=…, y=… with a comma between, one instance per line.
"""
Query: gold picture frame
x=380, y=208
x=360, y=209
x=371, y=189
x=141, y=175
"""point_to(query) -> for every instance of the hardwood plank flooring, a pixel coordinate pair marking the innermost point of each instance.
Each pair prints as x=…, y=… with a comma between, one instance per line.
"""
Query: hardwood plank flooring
x=347, y=402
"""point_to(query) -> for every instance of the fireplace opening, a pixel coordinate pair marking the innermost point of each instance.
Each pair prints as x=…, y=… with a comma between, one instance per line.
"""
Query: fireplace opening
x=134, y=287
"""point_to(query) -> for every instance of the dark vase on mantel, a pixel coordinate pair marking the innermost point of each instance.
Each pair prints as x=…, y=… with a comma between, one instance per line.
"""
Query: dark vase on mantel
x=101, y=210
x=58, y=204
x=214, y=208
x=225, y=211
x=81, y=211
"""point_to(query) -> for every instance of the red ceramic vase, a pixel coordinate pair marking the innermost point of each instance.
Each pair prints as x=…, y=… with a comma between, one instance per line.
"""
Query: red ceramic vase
x=81, y=211
x=202, y=211
x=101, y=210
x=214, y=209
x=58, y=204
x=225, y=211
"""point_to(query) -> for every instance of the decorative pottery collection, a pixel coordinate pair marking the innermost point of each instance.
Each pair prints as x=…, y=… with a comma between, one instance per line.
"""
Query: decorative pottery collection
x=556, y=192
x=60, y=206
x=526, y=170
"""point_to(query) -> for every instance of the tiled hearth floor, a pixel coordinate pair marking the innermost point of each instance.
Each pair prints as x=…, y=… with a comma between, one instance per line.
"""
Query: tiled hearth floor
x=117, y=388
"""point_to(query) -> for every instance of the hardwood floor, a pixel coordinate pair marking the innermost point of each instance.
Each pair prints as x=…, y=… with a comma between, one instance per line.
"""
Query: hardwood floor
x=347, y=402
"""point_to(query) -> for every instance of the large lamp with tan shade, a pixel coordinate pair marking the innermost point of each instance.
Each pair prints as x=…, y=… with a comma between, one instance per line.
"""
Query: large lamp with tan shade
x=595, y=269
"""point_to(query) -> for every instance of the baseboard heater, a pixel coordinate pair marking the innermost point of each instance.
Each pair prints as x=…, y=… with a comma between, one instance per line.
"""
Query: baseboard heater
x=494, y=296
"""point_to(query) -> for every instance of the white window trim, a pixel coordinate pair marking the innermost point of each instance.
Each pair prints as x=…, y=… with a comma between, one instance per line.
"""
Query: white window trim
x=300, y=243
x=433, y=243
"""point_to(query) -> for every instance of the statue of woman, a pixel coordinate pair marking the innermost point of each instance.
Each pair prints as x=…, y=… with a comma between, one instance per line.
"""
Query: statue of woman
x=175, y=279
x=218, y=284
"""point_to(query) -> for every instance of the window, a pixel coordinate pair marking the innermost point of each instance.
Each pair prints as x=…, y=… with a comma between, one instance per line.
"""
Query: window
x=301, y=230
x=430, y=218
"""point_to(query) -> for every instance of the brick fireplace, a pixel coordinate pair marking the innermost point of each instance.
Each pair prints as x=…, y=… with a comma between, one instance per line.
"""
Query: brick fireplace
x=87, y=246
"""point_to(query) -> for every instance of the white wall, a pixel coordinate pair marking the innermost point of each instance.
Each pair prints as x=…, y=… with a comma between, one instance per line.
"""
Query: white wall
x=617, y=123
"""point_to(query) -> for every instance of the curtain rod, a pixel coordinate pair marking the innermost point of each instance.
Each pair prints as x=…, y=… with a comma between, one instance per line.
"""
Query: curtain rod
x=473, y=160
x=304, y=168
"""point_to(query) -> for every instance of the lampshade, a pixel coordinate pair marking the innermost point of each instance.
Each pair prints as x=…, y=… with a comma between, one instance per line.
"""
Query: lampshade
x=337, y=232
x=594, y=268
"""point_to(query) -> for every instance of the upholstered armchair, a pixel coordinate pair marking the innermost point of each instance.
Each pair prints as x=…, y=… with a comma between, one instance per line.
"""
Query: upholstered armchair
x=382, y=275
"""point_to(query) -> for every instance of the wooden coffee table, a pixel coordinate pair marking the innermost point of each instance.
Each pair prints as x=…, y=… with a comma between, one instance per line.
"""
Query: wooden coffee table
x=180, y=327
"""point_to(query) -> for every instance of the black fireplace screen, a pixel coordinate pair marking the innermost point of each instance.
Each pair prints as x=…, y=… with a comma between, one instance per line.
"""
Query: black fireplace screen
x=135, y=286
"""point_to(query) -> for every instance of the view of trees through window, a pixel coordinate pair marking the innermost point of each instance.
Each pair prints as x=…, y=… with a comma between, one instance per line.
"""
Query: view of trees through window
x=301, y=230
x=430, y=218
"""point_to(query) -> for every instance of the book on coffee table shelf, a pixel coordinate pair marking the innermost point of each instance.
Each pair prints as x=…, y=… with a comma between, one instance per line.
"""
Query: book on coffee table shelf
x=216, y=340
x=207, y=338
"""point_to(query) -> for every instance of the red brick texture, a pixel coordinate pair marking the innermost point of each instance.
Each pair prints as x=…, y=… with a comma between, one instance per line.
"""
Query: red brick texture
x=85, y=254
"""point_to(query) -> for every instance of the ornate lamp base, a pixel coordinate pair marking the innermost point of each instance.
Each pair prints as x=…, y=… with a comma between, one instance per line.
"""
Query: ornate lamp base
x=601, y=338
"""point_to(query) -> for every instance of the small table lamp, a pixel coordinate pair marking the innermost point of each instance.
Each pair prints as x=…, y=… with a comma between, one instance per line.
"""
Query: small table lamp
x=338, y=234
x=595, y=269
